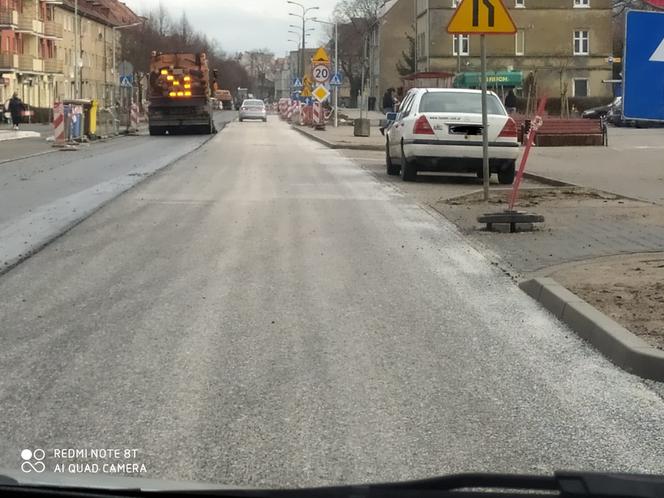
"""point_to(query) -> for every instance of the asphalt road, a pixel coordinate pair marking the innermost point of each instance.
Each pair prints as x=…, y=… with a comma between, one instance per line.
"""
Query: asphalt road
x=41, y=196
x=267, y=313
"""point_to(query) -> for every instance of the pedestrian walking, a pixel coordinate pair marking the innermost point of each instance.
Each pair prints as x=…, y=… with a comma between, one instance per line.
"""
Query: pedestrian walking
x=16, y=110
x=388, y=101
x=510, y=102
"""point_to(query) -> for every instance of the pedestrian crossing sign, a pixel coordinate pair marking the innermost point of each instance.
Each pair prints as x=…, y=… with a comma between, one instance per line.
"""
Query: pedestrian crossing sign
x=336, y=80
x=126, y=81
x=297, y=83
x=481, y=17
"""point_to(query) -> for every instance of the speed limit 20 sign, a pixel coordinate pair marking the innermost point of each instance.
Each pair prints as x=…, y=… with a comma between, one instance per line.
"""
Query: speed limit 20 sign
x=321, y=73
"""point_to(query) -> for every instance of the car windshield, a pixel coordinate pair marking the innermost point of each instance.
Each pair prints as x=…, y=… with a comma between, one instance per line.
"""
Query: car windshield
x=459, y=102
x=281, y=244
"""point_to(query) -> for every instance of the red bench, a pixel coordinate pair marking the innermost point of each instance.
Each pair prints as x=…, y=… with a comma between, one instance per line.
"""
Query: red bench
x=556, y=132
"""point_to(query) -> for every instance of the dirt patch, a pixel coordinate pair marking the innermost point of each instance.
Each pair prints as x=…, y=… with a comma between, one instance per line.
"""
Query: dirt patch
x=629, y=289
x=537, y=196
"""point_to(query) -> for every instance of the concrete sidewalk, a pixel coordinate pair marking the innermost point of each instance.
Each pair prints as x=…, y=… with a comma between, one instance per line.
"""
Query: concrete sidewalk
x=630, y=166
x=343, y=138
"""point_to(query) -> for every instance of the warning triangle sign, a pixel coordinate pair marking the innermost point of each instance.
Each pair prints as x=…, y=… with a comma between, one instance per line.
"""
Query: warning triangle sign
x=321, y=56
x=488, y=17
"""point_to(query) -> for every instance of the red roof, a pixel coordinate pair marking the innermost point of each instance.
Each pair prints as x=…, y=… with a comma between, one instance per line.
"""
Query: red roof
x=109, y=12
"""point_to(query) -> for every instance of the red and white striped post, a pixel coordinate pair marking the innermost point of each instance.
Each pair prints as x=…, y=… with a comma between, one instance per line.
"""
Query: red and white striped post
x=59, y=124
x=135, y=117
x=318, y=120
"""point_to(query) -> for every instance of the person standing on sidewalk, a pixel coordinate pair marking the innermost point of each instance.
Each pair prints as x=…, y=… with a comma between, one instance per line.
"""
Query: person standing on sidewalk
x=388, y=101
x=510, y=102
x=16, y=109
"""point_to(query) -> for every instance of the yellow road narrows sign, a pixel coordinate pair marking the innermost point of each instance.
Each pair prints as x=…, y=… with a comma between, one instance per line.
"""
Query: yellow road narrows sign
x=481, y=17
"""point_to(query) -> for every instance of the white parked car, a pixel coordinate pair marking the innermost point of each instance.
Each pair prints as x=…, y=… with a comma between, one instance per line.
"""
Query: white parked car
x=440, y=129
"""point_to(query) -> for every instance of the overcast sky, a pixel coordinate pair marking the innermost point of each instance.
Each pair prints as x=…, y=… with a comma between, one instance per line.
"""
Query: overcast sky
x=244, y=24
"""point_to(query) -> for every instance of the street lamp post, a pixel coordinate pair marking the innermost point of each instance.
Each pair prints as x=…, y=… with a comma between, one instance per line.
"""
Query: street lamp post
x=299, y=43
x=77, y=51
x=336, y=67
x=303, y=16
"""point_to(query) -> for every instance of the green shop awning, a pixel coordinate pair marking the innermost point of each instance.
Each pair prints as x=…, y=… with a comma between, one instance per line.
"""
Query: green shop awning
x=495, y=79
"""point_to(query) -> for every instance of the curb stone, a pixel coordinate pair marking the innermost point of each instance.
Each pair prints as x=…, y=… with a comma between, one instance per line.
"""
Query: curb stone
x=614, y=341
x=333, y=145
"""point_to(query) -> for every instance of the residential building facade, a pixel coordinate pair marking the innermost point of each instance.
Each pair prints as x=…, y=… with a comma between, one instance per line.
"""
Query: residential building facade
x=29, y=37
x=38, y=49
x=565, y=44
x=98, y=24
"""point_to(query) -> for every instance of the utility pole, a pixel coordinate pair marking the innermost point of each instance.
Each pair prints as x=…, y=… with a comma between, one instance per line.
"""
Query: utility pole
x=77, y=53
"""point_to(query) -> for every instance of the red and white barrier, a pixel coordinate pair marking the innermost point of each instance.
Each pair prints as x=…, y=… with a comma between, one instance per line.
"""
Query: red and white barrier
x=135, y=116
x=318, y=120
x=59, y=124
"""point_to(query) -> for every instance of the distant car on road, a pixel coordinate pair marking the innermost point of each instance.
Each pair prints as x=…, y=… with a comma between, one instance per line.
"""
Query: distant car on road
x=252, y=109
x=440, y=129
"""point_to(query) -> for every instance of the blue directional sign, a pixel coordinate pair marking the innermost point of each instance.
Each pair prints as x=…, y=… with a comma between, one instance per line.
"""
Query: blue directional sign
x=336, y=80
x=127, y=81
x=643, y=88
x=297, y=83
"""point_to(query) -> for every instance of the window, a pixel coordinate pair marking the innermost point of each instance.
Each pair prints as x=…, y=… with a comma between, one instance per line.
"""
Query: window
x=581, y=3
x=459, y=102
x=520, y=3
x=465, y=44
x=581, y=42
x=580, y=87
x=520, y=42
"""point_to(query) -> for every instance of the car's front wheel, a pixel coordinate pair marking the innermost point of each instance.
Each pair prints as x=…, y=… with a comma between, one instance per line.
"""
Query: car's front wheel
x=506, y=174
x=392, y=169
x=408, y=168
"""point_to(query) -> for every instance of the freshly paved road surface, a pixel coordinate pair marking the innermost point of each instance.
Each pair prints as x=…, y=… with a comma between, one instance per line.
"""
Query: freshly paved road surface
x=41, y=196
x=266, y=313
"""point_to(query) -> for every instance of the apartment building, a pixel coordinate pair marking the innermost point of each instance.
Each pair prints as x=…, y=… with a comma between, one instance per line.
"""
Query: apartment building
x=565, y=44
x=98, y=23
x=29, y=38
x=38, y=49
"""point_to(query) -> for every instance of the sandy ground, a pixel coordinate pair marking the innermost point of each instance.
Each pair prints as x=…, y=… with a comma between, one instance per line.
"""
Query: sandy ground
x=628, y=288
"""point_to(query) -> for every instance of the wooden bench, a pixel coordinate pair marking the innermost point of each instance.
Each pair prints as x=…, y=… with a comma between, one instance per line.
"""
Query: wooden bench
x=557, y=132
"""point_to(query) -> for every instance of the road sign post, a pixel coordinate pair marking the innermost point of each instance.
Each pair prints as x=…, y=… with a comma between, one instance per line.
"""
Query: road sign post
x=320, y=70
x=485, y=17
x=643, y=84
x=485, y=121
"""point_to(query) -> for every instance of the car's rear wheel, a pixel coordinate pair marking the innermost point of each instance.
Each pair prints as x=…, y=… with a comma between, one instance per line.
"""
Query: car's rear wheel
x=408, y=168
x=506, y=174
x=392, y=169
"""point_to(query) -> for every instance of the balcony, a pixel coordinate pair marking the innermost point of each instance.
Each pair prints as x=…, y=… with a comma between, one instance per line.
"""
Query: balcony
x=53, y=66
x=8, y=62
x=26, y=24
x=27, y=63
x=8, y=18
x=53, y=29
